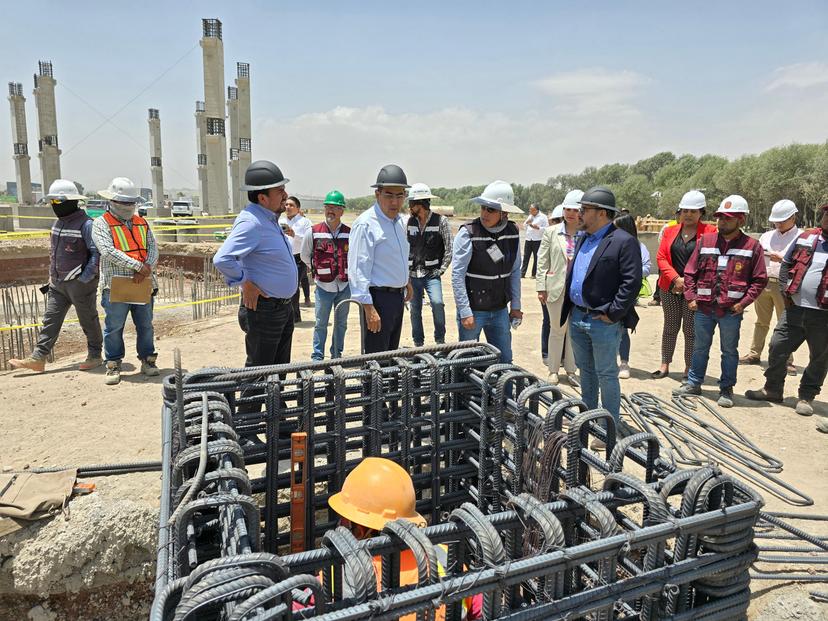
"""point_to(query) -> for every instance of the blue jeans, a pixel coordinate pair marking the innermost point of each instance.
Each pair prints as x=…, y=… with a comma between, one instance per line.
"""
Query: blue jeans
x=496, y=326
x=703, y=325
x=325, y=302
x=116, y=316
x=624, y=347
x=595, y=345
x=434, y=288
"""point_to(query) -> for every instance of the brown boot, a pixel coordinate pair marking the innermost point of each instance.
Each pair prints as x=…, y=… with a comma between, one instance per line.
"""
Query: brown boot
x=91, y=362
x=749, y=359
x=37, y=365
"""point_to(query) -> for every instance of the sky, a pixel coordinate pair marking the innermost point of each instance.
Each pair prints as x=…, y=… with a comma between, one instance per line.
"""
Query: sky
x=457, y=93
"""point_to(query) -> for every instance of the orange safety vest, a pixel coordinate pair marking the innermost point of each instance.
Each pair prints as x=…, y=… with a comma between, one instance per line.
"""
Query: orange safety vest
x=132, y=242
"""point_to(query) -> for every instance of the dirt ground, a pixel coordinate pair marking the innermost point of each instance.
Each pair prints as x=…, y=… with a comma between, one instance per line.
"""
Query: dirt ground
x=66, y=417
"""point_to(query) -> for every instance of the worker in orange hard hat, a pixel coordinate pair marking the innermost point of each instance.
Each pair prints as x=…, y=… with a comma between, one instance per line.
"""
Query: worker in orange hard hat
x=376, y=492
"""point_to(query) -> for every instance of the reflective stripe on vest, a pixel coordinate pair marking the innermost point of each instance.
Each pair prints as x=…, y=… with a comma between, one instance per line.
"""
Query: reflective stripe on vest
x=125, y=239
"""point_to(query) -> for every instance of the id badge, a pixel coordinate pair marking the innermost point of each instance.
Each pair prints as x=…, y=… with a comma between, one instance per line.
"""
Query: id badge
x=495, y=254
x=723, y=262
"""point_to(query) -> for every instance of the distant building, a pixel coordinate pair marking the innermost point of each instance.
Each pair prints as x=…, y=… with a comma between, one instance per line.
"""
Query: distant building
x=146, y=193
x=11, y=188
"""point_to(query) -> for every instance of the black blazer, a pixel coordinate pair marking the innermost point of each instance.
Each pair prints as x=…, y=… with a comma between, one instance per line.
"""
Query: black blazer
x=613, y=278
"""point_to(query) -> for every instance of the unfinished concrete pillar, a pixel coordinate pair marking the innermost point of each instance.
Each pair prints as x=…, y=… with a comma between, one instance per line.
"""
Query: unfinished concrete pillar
x=201, y=133
x=49, y=153
x=155, y=164
x=244, y=143
x=233, y=116
x=20, y=142
x=213, y=54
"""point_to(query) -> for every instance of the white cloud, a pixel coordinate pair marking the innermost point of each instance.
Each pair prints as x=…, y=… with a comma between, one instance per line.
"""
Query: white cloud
x=586, y=92
x=799, y=75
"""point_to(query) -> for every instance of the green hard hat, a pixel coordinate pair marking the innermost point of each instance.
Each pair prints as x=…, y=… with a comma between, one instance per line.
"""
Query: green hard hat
x=334, y=197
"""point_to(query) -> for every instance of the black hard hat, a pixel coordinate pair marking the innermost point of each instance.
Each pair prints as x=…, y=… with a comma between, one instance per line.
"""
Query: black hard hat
x=262, y=175
x=391, y=174
x=599, y=196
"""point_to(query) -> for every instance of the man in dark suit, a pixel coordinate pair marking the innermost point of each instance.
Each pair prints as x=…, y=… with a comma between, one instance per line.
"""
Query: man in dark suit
x=601, y=287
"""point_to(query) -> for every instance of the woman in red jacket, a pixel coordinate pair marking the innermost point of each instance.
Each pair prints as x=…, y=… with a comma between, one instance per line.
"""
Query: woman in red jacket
x=677, y=244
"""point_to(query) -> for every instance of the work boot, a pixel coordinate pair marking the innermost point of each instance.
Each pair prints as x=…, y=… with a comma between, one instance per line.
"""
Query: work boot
x=687, y=389
x=38, y=365
x=624, y=371
x=749, y=359
x=804, y=407
x=113, y=373
x=763, y=395
x=726, y=397
x=91, y=362
x=148, y=367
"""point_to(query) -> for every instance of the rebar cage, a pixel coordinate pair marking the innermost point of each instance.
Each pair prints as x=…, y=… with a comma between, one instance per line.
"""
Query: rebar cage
x=525, y=521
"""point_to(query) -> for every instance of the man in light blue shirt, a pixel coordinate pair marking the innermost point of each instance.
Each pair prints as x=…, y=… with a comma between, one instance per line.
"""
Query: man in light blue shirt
x=378, y=262
x=486, y=273
x=258, y=257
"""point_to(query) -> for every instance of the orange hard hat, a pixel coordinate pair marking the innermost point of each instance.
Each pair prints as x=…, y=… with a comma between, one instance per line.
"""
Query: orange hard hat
x=377, y=491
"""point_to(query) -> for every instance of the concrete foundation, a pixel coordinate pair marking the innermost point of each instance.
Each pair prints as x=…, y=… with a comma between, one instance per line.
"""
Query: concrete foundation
x=214, y=109
x=20, y=144
x=49, y=153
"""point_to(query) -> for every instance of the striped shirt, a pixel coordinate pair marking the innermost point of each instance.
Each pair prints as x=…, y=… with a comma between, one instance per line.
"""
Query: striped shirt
x=115, y=262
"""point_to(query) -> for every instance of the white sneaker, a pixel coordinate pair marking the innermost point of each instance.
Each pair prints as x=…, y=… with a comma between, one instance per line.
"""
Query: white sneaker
x=113, y=373
x=624, y=371
x=553, y=379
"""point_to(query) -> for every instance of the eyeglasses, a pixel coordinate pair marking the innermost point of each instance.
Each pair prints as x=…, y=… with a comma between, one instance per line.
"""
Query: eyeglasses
x=490, y=209
x=394, y=197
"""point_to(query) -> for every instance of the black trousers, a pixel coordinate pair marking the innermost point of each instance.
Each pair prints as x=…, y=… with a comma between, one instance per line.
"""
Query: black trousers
x=303, y=273
x=62, y=296
x=268, y=337
x=799, y=325
x=530, y=247
x=390, y=307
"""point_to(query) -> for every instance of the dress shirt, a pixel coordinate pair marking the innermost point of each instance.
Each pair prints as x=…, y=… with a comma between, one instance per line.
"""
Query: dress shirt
x=581, y=264
x=571, y=241
x=377, y=254
x=774, y=241
x=300, y=226
x=337, y=284
x=460, y=259
x=541, y=221
x=115, y=262
x=257, y=250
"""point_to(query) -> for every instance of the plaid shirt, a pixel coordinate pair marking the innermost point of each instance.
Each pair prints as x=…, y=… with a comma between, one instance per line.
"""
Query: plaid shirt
x=117, y=263
x=445, y=231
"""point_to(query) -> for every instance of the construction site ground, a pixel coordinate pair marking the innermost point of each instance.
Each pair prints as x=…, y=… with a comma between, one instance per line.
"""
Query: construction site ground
x=100, y=553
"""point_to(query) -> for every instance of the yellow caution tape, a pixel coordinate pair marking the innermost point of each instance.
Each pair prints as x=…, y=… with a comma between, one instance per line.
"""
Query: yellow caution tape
x=162, y=307
x=24, y=234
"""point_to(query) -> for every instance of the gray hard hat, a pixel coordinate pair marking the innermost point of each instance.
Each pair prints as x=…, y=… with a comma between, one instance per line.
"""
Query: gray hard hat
x=391, y=174
x=263, y=175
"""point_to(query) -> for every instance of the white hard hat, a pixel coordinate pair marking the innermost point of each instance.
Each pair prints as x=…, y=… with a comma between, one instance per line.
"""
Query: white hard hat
x=121, y=190
x=498, y=194
x=733, y=204
x=420, y=192
x=557, y=213
x=64, y=190
x=572, y=200
x=782, y=210
x=693, y=200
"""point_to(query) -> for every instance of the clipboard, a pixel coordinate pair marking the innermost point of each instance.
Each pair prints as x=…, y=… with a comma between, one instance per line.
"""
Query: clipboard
x=125, y=291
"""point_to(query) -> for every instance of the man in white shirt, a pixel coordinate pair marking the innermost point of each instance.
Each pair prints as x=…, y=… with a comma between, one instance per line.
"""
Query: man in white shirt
x=534, y=225
x=775, y=243
x=296, y=227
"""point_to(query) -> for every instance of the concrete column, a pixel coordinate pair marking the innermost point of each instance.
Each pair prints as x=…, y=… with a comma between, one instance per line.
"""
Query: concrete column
x=201, y=132
x=49, y=153
x=233, y=116
x=213, y=54
x=20, y=142
x=244, y=146
x=156, y=166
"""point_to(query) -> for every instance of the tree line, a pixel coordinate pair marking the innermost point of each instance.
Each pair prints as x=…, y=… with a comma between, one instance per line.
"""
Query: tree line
x=654, y=186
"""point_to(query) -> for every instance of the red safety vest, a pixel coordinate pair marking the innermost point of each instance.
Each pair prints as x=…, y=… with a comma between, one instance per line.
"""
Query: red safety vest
x=803, y=253
x=132, y=242
x=723, y=279
x=330, y=254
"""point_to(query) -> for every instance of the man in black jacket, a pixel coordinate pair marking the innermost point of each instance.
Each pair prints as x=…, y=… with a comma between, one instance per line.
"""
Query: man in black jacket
x=601, y=287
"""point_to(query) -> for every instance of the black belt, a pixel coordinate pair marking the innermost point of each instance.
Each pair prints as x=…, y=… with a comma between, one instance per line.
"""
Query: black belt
x=388, y=289
x=277, y=301
x=584, y=309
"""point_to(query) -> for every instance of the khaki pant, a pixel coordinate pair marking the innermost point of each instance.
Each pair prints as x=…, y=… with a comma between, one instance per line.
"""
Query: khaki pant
x=559, y=346
x=769, y=300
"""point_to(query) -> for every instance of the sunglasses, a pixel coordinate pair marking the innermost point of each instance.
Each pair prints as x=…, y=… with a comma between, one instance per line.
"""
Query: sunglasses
x=490, y=209
x=726, y=216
